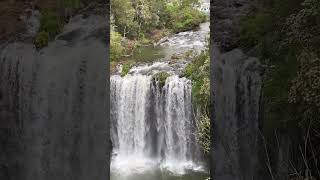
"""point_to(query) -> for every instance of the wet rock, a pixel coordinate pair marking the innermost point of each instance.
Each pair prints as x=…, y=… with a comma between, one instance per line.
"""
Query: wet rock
x=32, y=22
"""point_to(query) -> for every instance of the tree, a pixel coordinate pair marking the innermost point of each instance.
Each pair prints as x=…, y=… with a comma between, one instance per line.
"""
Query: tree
x=124, y=14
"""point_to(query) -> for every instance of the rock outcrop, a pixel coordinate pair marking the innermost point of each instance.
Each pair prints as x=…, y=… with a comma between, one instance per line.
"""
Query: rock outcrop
x=225, y=18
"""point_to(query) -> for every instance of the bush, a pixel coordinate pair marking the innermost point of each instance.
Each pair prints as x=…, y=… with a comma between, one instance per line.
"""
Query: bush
x=193, y=71
x=50, y=23
x=116, y=50
x=188, y=70
x=198, y=72
x=183, y=19
x=161, y=78
x=42, y=39
x=126, y=68
x=203, y=131
x=50, y=26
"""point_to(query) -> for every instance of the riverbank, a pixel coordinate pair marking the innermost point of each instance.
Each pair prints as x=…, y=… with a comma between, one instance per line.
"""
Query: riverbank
x=137, y=29
x=176, y=49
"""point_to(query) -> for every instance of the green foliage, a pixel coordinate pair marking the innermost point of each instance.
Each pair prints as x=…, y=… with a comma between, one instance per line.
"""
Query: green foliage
x=288, y=39
x=203, y=131
x=53, y=17
x=133, y=18
x=123, y=14
x=254, y=27
x=305, y=86
x=198, y=72
x=116, y=50
x=50, y=26
x=302, y=28
x=183, y=19
x=42, y=39
x=189, y=3
x=193, y=71
x=50, y=23
x=126, y=68
x=161, y=78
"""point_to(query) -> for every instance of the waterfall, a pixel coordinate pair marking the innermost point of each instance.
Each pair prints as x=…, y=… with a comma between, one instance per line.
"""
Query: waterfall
x=53, y=106
x=237, y=144
x=152, y=126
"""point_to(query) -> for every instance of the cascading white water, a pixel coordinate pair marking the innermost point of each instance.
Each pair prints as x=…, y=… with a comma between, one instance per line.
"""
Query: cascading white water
x=130, y=96
x=152, y=126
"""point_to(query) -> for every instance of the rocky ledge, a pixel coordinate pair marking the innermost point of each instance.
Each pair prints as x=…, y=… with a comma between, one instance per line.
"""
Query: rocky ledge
x=225, y=19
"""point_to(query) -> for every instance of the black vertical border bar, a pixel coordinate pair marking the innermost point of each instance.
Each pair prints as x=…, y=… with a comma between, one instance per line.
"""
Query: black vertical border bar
x=108, y=141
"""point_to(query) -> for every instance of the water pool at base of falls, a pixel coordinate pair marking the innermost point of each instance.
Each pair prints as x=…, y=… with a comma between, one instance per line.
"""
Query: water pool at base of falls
x=141, y=168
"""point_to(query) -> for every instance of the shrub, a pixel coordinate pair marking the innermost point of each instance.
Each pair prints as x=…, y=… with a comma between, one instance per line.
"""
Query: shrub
x=188, y=70
x=51, y=23
x=183, y=19
x=42, y=39
x=198, y=72
x=116, y=50
x=203, y=131
x=161, y=78
x=125, y=69
x=50, y=26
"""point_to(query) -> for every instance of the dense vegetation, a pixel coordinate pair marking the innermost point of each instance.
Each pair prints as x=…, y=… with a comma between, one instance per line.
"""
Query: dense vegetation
x=286, y=37
x=198, y=71
x=141, y=22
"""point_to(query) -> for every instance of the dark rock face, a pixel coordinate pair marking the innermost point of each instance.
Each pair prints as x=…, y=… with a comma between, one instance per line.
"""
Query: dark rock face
x=237, y=149
x=53, y=106
x=226, y=15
